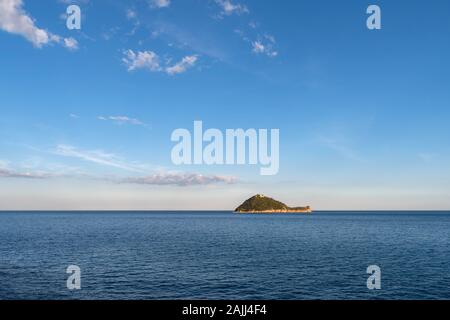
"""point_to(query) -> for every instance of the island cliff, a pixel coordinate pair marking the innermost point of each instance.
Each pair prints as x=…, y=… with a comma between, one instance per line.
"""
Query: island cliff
x=263, y=204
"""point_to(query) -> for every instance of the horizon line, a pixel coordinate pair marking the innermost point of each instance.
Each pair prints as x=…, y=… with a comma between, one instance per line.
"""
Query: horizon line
x=215, y=210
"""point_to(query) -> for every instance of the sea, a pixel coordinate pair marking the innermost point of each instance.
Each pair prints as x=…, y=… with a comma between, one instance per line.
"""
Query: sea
x=223, y=255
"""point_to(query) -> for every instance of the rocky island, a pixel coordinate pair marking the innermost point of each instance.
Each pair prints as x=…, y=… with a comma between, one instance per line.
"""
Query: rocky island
x=263, y=204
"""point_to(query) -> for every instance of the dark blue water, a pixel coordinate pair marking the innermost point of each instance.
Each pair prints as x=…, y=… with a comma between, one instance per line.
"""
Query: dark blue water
x=221, y=255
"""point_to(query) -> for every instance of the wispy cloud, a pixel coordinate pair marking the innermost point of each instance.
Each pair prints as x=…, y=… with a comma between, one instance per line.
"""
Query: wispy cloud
x=264, y=44
x=180, y=179
x=70, y=43
x=96, y=156
x=427, y=157
x=199, y=41
x=253, y=24
x=181, y=66
x=339, y=146
x=14, y=19
x=159, y=3
x=149, y=60
x=228, y=7
x=7, y=173
x=74, y=1
x=141, y=60
x=122, y=120
x=159, y=179
x=261, y=43
x=259, y=47
x=131, y=14
x=37, y=169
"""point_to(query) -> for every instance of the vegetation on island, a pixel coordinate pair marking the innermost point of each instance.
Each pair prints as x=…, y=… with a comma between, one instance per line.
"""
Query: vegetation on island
x=263, y=204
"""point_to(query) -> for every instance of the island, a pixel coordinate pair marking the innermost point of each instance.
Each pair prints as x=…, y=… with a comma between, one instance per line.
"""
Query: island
x=263, y=204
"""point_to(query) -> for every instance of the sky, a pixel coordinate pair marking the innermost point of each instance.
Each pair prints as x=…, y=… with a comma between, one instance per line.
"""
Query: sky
x=86, y=116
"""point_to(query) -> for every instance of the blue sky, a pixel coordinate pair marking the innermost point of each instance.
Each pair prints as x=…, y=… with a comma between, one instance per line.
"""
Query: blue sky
x=86, y=114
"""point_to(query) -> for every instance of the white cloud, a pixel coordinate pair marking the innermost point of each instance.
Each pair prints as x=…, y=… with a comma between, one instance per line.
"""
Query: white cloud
x=180, y=179
x=141, y=60
x=258, y=47
x=14, y=19
x=265, y=47
x=70, y=43
x=95, y=156
x=159, y=3
x=74, y=116
x=229, y=8
x=122, y=120
x=149, y=60
x=180, y=67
